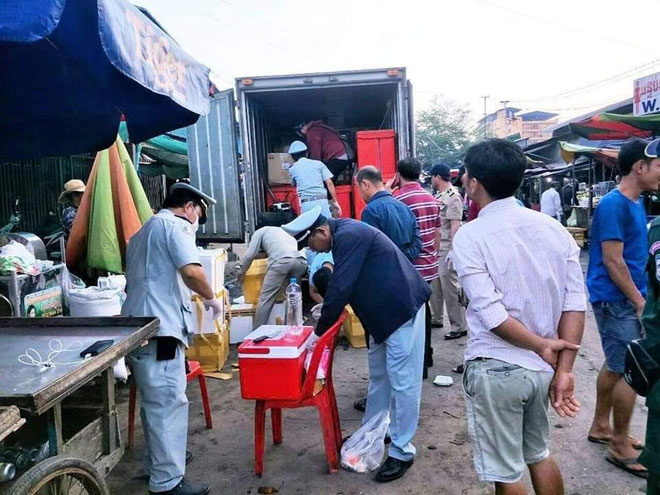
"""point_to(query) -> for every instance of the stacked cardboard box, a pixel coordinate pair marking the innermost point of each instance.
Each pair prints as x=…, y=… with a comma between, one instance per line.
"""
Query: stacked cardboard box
x=579, y=234
x=353, y=329
x=278, y=168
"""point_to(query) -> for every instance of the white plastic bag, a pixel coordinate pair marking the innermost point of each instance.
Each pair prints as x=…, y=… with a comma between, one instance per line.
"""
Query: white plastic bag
x=364, y=451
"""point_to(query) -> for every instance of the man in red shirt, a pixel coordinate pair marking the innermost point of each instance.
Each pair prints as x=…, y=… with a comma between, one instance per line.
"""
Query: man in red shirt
x=324, y=144
x=427, y=211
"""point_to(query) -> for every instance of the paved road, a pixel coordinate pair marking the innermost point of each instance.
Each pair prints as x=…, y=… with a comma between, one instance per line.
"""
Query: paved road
x=224, y=455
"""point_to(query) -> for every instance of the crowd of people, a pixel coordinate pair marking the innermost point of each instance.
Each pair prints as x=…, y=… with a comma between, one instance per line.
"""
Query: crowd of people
x=509, y=277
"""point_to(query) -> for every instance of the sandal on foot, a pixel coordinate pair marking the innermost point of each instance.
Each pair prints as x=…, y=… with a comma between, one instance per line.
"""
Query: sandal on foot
x=625, y=465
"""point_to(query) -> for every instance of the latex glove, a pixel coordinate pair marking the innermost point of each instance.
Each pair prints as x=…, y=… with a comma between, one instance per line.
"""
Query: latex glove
x=216, y=305
x=311, y=342
x=316, y=311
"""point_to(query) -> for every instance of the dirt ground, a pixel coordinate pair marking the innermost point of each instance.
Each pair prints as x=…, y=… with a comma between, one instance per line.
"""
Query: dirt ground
x=224, y=455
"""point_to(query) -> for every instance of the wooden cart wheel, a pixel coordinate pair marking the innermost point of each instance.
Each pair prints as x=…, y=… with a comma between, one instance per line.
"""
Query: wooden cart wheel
x=61, y=476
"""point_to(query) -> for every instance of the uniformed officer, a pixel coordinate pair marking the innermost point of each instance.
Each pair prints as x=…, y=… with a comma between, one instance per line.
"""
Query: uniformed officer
x=311, y=178
x=162, y=267
x=389, y=297
x=446, y=288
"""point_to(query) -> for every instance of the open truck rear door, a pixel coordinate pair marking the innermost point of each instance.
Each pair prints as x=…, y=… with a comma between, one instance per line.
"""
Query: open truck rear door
x=214, y=168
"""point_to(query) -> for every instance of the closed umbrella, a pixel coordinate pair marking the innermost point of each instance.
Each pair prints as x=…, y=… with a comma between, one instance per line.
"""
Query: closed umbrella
x=113, y=208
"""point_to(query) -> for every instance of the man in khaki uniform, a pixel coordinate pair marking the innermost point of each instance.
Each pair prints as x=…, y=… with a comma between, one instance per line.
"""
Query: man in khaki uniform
x=446, y=288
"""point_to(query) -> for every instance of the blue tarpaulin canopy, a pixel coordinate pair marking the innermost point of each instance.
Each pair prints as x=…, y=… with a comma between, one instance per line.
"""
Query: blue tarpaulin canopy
x=72, y=68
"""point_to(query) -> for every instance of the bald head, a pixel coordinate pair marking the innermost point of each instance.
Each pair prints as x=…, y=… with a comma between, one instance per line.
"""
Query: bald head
x=369, y=181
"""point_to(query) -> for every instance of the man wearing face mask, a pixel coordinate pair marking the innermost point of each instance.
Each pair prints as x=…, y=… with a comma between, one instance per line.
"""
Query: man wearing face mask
x=162, y=268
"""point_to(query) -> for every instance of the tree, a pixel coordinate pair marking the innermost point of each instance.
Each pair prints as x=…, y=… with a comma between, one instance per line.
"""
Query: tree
x=444, y=132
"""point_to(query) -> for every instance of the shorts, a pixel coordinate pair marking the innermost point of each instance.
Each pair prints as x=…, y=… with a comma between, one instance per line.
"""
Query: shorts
x=508, y=423
x=618, y=326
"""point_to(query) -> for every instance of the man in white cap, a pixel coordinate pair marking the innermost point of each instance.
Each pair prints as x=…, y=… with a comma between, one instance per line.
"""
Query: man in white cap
x=71, y=196
x=388, y=296
x=162, y=268
x=309, y=177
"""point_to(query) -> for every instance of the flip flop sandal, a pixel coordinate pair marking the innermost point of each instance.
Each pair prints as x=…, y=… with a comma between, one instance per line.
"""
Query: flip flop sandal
x=625, y=465
x=606, y=441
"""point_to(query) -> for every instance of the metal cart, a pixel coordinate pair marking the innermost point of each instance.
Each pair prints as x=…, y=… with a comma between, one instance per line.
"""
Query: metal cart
x=52, y=398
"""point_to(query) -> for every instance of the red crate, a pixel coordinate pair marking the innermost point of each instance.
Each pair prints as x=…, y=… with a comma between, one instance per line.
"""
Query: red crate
x=377, y=148
x=345, y=198
x=273, y=368
x=284, y=193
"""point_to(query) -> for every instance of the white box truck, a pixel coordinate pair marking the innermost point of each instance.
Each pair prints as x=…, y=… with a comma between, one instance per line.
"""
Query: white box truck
x=228, y=148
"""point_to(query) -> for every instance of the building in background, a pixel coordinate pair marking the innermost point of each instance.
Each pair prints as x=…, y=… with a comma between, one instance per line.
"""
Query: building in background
x=510, y=123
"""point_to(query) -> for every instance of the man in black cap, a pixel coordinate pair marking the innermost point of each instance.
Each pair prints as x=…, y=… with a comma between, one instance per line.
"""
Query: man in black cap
x=162, y=268
x=446, y=288
x=388, y=296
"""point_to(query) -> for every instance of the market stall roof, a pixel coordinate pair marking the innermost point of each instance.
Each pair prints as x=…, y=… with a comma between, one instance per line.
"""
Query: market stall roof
x=570, y=151
x=72, y=68
x=650, y=123
x=598, y=127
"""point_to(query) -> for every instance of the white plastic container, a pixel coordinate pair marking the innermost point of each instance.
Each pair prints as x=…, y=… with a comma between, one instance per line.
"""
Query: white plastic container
x=206, y=324
x=213, y=262
x=242, y=320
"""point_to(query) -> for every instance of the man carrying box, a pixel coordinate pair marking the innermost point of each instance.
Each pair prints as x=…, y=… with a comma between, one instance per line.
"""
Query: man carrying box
x=284, y=262
x=162, y=267
x=388, y=296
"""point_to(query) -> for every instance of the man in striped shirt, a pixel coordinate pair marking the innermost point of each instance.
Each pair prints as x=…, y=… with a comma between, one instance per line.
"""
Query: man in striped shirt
x=427, y=211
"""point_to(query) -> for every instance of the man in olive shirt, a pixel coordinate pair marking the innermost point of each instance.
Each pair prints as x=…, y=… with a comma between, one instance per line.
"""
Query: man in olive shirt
x=650, y=457
x=446, y=288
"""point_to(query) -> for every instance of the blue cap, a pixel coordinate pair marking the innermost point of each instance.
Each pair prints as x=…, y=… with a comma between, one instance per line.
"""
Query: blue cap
x=652, y=148
x=304, y=225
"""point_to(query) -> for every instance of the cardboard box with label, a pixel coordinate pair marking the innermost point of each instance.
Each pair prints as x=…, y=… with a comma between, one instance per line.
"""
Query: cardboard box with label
x=278, y=168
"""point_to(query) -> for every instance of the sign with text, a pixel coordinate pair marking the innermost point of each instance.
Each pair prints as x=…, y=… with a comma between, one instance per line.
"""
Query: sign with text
x=646, y=95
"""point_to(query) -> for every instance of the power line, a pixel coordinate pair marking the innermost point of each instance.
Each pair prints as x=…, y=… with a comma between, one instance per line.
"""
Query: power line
x=611, y=79
x=563, y=26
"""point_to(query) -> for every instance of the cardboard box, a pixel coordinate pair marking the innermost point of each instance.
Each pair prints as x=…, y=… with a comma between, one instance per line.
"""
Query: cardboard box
x=278, y=168
x=353, y=329
x=210, y=349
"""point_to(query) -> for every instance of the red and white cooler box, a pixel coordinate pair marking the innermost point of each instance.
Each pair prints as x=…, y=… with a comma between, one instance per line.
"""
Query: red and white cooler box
x=273, y=368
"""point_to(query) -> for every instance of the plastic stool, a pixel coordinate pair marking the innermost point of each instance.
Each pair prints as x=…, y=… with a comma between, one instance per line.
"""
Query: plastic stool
x=195, y=372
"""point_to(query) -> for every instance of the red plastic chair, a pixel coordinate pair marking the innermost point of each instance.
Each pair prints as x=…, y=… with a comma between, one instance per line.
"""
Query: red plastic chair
x=195, y=372
x=325, y=401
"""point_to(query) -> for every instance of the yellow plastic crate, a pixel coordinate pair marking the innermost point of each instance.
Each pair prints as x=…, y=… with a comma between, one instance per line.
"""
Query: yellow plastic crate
x=353, y=329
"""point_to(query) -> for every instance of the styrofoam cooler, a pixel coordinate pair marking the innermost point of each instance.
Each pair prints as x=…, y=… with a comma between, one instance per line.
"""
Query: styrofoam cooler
x=206, y=324
x=273, y=368
x=242, y=320
x=213, y=262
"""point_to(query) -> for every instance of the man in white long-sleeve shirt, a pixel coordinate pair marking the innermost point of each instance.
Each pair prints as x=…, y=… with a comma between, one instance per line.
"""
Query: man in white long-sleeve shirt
x=551, y=202
x=285, y=261
x=522, y=275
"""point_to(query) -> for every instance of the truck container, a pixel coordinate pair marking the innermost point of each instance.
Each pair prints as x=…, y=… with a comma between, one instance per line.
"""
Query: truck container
x=264, y=112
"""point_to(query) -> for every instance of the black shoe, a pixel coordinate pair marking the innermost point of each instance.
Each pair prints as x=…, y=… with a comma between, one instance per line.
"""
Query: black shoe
x=392, y=469
x=360, y=404
x=184, y=488
x=437, y=324
x=189, y=457
x=459, y=369
x=455, y=334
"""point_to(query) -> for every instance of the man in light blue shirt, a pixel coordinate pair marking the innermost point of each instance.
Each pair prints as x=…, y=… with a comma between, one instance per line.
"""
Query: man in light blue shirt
x=316, y=261
x=309, y=177
x=162, y=267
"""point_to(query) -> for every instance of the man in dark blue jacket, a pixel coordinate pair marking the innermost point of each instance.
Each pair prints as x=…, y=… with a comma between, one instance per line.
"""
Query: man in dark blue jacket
x=388, y=296
x=387, y=214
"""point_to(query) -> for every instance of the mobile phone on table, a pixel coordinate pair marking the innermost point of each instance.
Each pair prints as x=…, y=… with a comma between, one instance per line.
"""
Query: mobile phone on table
x=97, y=348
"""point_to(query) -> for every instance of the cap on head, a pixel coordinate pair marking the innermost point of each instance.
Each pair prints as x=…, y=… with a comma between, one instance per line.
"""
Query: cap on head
x=441, y=170
x=70, y=187
x=303, y=226
x=205, y=201
x=297, y=147
x=652, y=149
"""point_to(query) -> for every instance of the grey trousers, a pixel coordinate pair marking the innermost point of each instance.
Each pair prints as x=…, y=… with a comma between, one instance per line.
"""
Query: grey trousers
x=277, y=276
x=164, y=412
x=445, y=292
